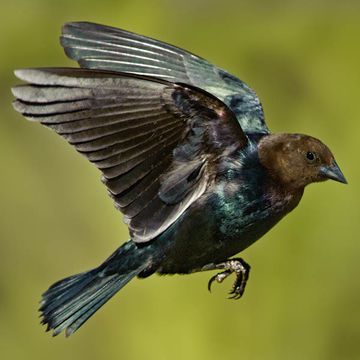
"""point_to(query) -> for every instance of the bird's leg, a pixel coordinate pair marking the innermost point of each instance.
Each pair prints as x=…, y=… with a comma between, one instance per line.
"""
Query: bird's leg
x=237, y=266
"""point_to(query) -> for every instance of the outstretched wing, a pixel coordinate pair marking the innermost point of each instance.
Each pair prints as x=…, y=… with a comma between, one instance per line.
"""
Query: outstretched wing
x=154, y=141
x=102, y=47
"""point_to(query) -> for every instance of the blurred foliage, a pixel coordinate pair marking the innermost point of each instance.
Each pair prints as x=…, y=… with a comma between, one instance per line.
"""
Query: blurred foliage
x=302, y=302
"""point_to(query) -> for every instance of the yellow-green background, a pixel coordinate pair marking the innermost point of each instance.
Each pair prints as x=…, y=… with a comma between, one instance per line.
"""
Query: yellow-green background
x=303, y=298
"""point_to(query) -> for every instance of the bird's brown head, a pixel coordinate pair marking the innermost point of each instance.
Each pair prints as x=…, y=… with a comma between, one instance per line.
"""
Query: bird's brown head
x=296, y=160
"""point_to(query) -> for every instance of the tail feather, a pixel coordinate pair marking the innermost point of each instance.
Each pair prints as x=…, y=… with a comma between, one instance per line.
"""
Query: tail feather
x=62, y=291
x=69, y=303
x=89, y=309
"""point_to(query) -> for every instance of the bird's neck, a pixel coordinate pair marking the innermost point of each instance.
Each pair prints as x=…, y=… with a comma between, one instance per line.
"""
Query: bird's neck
x=286, y=198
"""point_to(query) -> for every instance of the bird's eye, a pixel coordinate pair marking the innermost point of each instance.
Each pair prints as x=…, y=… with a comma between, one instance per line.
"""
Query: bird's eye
x=310, y=156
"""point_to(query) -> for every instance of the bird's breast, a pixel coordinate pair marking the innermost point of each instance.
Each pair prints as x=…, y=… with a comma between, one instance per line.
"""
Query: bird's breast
x=230, y=216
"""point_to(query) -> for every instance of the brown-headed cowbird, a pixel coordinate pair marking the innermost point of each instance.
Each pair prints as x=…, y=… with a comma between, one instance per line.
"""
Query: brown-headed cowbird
x=184, y=151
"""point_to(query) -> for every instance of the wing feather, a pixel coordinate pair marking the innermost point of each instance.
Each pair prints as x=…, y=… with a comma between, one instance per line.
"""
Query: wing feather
x=97, y=46
x=153, y=140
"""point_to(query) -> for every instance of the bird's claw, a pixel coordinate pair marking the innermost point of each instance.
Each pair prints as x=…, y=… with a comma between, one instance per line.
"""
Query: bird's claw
x=220, y=277
x=241, y=270
x=239, y=286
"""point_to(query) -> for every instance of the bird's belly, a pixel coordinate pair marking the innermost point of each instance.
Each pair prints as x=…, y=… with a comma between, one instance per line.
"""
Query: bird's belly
x=204, y=235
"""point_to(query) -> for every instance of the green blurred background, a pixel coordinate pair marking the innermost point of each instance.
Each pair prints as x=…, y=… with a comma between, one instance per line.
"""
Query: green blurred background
x=302, y=58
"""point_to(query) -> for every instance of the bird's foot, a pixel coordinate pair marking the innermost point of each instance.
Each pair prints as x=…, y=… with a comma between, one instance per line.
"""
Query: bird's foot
x=241, y=270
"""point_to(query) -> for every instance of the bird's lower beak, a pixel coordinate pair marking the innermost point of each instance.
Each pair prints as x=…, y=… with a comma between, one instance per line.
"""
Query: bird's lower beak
x=333, y=172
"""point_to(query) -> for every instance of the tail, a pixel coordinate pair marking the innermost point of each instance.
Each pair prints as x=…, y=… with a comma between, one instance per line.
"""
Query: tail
x=70, y=302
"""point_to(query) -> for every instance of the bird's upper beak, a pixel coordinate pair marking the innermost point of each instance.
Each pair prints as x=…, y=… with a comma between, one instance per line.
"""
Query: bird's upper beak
x=333, y=172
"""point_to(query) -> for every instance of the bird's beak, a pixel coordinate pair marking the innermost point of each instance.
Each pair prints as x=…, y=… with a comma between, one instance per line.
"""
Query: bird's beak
x=333, y=172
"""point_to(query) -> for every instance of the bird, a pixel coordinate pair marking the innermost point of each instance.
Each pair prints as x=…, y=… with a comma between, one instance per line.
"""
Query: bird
x=185, y=154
